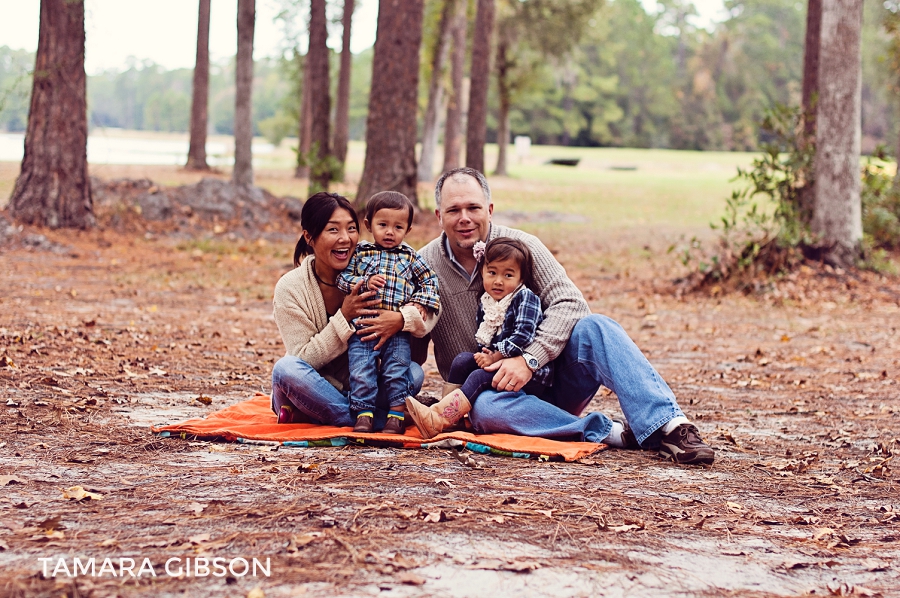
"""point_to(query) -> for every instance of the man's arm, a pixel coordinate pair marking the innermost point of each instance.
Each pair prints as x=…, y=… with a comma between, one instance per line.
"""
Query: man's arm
x=562, y=301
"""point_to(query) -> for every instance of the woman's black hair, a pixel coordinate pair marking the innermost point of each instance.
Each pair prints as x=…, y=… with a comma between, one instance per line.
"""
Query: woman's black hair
x=314, y=217
x=505, y=248
x=389, y=200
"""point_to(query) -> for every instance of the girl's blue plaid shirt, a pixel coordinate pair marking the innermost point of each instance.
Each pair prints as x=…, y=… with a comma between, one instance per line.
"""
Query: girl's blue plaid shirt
x=408, y=278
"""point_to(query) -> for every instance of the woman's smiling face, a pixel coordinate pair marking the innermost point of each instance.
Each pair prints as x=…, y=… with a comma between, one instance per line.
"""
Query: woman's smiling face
x=334, y=246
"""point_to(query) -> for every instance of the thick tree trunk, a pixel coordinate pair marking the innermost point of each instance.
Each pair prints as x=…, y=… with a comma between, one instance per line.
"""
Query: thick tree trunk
x=342, y=115
x=836, y=215
x=811, y=63
x=200, y=98
x=503, y=66
x=480, y=74
x=435, y=93
x=53, y=188
x=243, y=123
x=456, y=97
x=391, y=125
x=317, y=82
x=305, y=130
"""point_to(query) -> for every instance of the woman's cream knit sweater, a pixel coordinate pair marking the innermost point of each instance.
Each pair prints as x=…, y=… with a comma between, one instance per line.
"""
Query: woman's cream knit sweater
x=309, y=334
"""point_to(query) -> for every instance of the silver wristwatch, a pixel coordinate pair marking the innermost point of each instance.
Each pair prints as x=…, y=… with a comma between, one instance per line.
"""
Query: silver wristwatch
x=531, y=361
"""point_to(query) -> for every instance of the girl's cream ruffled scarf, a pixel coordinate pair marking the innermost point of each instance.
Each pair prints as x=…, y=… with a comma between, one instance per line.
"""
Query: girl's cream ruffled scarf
x=494, y=314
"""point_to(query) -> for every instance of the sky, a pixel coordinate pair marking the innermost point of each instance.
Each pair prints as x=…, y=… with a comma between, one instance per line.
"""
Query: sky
x=165, y=31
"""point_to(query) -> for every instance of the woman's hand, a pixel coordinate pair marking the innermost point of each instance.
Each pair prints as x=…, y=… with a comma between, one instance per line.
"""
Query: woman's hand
x=381, y=328
x=358, y=304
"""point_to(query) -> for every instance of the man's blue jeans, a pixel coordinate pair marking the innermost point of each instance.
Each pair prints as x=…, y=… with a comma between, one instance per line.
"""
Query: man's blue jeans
x=385, y=369
x=599, y=352
x=296, y=383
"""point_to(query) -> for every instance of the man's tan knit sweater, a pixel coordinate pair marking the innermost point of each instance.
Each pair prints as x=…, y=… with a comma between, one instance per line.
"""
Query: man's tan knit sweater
x=319, y=340
x=562, y=302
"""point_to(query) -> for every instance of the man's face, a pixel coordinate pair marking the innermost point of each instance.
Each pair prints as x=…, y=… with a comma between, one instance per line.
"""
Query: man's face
x=465, y=214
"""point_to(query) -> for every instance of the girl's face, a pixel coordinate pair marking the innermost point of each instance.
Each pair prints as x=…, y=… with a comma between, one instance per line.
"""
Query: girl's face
x=334, y=245
x=501, y=277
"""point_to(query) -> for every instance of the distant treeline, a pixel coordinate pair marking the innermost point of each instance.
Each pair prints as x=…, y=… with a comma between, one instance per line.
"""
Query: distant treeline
x=637, y=79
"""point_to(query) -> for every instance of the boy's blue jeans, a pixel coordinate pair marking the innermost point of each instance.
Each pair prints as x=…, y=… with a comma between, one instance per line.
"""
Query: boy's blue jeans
x=372, y=369
x=298, y=384
x=599, y=352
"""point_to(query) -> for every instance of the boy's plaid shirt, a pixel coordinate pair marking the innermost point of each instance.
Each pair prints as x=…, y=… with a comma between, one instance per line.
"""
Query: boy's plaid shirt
x=408, y=278
x=523, y=316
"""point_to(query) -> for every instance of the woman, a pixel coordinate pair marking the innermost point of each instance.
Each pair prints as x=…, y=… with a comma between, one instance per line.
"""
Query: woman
x=311, y=382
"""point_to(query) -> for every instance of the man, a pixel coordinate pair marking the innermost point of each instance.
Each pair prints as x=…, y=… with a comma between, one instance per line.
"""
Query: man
x=588, y=350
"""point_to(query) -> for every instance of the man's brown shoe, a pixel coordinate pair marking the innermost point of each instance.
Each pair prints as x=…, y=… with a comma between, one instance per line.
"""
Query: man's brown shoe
x=363, y=424
x=684, y=445
x=628, y=437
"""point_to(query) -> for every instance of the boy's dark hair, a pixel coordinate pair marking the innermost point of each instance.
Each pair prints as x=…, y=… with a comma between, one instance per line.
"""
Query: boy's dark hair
x=315, y=215
x=389, y=200
x=505, y=248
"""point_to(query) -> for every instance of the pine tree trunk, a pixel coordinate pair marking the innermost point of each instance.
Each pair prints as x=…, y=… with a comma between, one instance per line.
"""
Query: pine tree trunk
x=809, y=97
x=317, y=81
x=305, y=129
x=435, y=93
x=342, y=115
x=811, y=62
x=503, y=90
x=200, y=97
x=836, y=216
x=243, y=123
x=391, y=125
x=456, y=99
x=53, y=188
x=480, y=74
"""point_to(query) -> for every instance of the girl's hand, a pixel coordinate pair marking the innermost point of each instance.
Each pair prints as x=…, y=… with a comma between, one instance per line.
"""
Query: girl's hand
x=358, y=304
x=377, y=281
x=487, y=357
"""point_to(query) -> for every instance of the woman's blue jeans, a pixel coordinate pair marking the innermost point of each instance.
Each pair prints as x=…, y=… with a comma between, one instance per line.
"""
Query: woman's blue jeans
x=296, y=383
x=599, y=352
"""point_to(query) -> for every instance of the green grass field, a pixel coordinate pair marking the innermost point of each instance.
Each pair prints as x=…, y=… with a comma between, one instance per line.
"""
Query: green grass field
x=610, y=190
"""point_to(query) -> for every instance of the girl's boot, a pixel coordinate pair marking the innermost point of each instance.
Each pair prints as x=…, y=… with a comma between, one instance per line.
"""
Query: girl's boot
x=433, y=420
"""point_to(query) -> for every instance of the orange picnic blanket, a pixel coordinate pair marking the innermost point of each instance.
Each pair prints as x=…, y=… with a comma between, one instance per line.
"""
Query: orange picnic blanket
x=253, y=422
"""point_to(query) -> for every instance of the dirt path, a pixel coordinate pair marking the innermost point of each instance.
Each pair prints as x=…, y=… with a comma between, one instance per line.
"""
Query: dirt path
x=796, y=390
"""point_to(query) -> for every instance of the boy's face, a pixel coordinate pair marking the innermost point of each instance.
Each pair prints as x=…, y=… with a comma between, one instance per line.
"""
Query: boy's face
x=389, y=226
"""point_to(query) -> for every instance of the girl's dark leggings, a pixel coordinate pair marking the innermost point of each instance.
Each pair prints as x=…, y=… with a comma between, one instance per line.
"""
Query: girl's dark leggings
x=464, y=370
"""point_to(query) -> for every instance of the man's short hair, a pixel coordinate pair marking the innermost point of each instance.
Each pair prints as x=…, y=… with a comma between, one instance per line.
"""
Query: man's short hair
x=457, y=175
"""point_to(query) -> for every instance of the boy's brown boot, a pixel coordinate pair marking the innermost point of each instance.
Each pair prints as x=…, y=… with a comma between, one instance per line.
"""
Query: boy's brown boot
x=396, y=422
x=433, y=420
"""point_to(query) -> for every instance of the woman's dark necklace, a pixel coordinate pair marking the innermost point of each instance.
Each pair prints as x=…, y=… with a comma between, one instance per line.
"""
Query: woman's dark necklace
x=316, y=274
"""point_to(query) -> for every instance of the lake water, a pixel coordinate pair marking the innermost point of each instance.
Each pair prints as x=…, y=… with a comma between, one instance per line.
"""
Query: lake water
x=116, y=149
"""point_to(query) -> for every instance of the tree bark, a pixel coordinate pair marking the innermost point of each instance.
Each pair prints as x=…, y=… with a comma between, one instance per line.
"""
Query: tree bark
x=809, y=96
x=503, y=66
x=200, y=97
x=811, y=63
x=836, y=215
x=53, y=188
x=342, y=115
x=435, y=93
x=455, y=99
x=243, y=123
x=480, y=74
x=391, y=125
x=305, y=129
x=317, y=82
